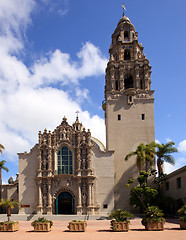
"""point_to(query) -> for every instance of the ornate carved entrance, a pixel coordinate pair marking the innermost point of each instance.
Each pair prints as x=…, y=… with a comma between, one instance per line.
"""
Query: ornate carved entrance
x=65, y=203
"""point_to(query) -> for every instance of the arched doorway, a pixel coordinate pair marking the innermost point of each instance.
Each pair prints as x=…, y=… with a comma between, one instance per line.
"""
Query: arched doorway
x=65, y=203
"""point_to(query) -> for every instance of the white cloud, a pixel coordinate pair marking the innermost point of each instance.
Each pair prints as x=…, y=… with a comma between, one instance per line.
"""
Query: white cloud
x=32, y=98
x=92, y=61
x=179, y=162
x=168, y=140
x=57, y=6
x=182, y=146
x=15, y=16
x=157, y=141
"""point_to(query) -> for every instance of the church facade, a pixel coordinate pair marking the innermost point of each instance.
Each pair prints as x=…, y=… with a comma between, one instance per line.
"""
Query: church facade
x=70, y=172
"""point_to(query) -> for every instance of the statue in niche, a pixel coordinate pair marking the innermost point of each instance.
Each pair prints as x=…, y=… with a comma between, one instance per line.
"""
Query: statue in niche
x=44, y=141
x=83, y=163
x=111, y=57
x=44, y=163
x=84, y=199
x=44, y=200
x=68, y=134
x=83, y=139
x=64, y=134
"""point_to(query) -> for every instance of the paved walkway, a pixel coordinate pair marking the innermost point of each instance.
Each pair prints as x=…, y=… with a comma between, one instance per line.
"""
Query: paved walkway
x=97, y=230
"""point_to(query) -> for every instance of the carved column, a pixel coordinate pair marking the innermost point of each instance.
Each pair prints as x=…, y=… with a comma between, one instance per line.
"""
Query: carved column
x=89, y=162
x=92, y=197
x=60, y=133
x=39, y=207
x=78, y=156
x=137, y=76
x=39, y=162
x=92, y=193
x=121, y=73
x=89, y=194
x=146, y=74
x=49, y=161
x=112, y=78
x=49, y=207
x=79, y=205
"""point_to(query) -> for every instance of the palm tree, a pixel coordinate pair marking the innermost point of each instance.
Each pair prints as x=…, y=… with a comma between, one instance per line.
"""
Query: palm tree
x=150, y=153
x=163, y=153
x=144, y=155
x=2, y=167
x=140, y=155
x=1, y=148
x=8, y=204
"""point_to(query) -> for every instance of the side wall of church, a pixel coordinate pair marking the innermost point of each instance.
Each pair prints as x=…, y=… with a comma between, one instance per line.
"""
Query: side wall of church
x=28, y=166
x=103, y=164
x=10, y=191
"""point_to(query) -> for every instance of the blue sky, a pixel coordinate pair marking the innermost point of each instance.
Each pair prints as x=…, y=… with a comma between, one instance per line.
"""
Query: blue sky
x=53, y=55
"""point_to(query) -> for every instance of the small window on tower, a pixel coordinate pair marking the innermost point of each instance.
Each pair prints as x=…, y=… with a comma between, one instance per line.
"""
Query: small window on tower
x=178, y=182
x=167, y=186
x=105, y=206
x=126, y=35
x=127, y=54
x=117, y=85
x=141, y=84
x=119, y=117
x=143, y=116
x=128, y=81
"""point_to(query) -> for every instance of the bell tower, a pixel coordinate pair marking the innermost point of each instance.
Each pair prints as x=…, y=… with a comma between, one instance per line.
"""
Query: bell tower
x=128, y=104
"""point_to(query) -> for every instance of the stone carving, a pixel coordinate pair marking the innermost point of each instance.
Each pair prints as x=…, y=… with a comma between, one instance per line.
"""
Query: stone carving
x=78, y=141
x=44, y=163
x=84, y=199
x=45, y=200
x=84, y=194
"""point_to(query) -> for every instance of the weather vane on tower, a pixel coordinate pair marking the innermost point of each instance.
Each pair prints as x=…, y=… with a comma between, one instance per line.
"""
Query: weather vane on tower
x=124, y=8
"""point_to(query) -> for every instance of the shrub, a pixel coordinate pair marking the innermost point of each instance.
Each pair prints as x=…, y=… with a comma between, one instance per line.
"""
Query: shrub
x=153, y=214
x=120, y=216
x=41, y=220
x=182, y=212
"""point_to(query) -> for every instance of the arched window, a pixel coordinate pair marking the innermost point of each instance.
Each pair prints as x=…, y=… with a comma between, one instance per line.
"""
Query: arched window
x=126, y=35
x=117, y=85
x=64, y=161
x=127, y=54
x=141, y=84
x=128, y=81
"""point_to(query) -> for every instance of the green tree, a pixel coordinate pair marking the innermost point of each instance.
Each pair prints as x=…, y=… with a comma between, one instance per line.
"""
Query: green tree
x=8, y=204
x=150, y=153
x=163, y=154
x=145, y=154
x=2, y=167
x=143, y=195
x=1, y=148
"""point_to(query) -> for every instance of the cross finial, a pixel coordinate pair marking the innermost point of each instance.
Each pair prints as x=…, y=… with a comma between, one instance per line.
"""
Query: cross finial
x=77, y=112
x=124, y=8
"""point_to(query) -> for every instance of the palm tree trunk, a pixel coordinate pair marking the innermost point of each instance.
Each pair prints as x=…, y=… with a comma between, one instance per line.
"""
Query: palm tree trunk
x=159, y=166
x=0, y=184
x=8, y=213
